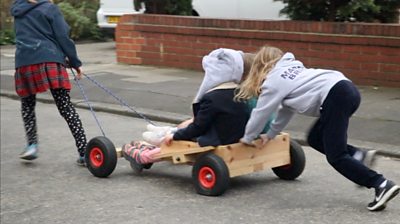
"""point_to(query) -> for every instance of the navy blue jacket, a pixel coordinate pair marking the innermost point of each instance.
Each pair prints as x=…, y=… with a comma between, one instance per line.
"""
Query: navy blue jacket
x=42, y=35
x=218, y=120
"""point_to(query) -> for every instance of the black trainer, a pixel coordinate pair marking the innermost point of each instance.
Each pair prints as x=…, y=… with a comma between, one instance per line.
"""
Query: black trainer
x=383, y=195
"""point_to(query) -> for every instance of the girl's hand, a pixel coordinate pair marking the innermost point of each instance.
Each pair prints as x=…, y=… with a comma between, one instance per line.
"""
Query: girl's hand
x=264, y=139
x=168, y=139
x=247, y=143
x=79, y=73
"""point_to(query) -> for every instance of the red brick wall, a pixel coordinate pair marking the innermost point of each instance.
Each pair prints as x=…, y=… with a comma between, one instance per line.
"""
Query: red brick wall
x=369, y=54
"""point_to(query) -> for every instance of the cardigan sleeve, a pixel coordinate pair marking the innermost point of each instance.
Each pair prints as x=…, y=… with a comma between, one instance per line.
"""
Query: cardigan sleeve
x=61, y=32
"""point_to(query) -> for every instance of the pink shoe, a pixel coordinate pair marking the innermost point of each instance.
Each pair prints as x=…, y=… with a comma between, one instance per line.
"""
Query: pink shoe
x=130, y=153
x=147, y=155
x=139, y=154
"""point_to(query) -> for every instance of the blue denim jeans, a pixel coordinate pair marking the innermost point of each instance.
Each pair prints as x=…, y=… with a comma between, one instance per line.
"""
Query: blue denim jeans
x=329, y=135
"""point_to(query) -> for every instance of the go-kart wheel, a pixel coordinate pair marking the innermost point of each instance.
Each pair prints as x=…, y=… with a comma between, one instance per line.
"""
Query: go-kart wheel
x=296, y=166
x=101, y=156
x=210, y=175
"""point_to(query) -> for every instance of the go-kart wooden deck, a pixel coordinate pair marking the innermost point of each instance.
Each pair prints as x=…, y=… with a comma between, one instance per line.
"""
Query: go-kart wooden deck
x=212, y=166
x=239, y=158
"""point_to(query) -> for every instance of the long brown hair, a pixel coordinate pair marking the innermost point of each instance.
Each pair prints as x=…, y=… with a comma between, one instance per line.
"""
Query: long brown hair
x=264, y=61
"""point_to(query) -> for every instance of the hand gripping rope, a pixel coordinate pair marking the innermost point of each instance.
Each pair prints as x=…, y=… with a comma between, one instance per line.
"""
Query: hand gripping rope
x=109, y=92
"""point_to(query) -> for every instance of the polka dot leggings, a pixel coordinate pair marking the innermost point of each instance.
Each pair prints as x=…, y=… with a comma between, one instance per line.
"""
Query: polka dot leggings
x=67, y=111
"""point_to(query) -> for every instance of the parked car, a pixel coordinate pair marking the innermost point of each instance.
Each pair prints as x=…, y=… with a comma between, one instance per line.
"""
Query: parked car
x=239, y=9
x=110, y=10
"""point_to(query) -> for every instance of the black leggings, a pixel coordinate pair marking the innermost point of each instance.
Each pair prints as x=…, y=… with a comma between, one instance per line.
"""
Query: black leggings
x=329, y=135
x=67, y=111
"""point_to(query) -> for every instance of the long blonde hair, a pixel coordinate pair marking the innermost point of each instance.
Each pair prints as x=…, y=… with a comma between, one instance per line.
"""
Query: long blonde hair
x=248, y=59
x=263, y=63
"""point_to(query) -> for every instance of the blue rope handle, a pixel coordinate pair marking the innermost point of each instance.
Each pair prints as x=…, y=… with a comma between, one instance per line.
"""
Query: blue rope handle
x=121, y=101
x=87, y=101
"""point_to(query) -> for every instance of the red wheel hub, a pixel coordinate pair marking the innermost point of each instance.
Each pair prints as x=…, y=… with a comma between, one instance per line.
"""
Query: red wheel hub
x=96, y=157
x=207, y=177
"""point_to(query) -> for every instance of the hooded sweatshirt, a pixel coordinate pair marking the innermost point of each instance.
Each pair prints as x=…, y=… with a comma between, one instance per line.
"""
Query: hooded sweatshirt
x=294, y=89
x=218, y=119
x=42, y=35
x=221, y=66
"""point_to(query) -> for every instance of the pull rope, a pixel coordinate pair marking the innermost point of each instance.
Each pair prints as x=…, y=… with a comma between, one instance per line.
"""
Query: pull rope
x=87, y=102
x=121, y=101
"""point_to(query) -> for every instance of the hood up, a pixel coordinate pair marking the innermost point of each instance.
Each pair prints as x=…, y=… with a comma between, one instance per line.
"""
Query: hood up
x=21, y=7
x=220, y=66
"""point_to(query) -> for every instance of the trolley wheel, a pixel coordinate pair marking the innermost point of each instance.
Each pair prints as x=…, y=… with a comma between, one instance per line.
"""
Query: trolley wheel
x=210, y=175
x=101, y=156
x=296, y=166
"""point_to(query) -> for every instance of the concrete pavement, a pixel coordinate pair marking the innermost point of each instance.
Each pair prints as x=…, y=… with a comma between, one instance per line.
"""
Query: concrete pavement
x=165, y=94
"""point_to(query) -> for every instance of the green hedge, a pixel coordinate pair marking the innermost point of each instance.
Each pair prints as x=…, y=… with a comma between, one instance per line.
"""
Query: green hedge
x=82, y=26
x=7, y=36
x=384, y=11
x=80, y=15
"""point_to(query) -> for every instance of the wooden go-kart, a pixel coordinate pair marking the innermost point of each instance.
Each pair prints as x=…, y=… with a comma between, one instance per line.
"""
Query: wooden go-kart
x=212, y=166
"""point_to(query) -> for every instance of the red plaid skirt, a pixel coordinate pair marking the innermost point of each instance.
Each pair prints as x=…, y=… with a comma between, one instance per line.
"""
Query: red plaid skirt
x=38, y=78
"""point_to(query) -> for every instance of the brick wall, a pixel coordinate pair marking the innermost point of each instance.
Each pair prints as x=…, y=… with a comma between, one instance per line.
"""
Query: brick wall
x=369, y=54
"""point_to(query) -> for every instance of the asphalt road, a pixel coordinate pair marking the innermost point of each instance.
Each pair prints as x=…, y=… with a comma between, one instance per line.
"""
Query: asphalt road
x=52, y=189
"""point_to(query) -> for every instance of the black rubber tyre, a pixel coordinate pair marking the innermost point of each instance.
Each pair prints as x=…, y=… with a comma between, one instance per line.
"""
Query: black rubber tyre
x=210, y=175
x=101, y=156
x=296, y=166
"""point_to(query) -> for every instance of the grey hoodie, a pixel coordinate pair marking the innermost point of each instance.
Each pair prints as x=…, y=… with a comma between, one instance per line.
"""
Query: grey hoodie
x=221, y=65
x=292, y=88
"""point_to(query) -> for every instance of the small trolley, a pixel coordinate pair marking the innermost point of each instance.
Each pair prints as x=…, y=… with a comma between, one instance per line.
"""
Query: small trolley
x=212, y=166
